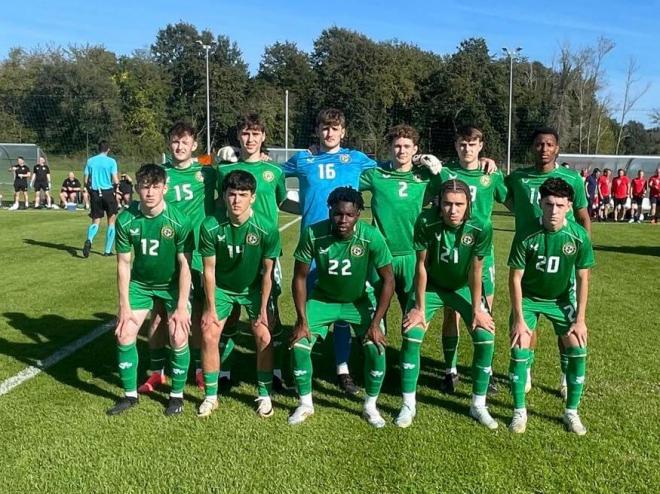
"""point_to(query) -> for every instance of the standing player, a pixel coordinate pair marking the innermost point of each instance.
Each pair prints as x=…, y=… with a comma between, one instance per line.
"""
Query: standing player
x=604, y=194
x=485, y=189
x=21, y=174
x=451, y=247
x=621, y=192
x=318, y=175
x=270, y=194
x=162, y=243
x=41, y=182
x=239, y=247
x=637, y=192
x=190, y=190
x=654, y=195
x=523, y=199
x=101, y=174
x=345, y=251
x=70, y=190
x=543, y=259
x=593, y=194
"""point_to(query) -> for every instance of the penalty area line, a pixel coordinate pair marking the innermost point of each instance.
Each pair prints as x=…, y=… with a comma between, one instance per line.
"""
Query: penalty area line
x=41, y=365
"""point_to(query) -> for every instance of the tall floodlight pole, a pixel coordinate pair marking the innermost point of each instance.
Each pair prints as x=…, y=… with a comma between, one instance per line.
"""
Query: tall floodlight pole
x=208, y=99
x=286, y=125
x=511, y=54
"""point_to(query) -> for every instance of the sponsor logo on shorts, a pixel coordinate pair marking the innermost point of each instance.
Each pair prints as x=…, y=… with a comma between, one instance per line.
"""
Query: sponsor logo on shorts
x=344, y=158
x=252, y=239
x=569, y=249
x=199, y=176
x=167, y=231
x=485, y=180
x=357, y=250
x=467, y=239
x=268, y=176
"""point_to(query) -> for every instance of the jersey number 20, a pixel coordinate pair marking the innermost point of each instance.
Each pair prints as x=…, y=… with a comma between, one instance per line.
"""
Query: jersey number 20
x=548, y=264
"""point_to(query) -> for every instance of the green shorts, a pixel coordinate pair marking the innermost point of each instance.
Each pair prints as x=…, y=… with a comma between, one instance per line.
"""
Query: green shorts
x=561, y=313
x=142, y=298
x=488, y=274
x=321, y=314
x=460, y=300
x=225, y=300
x=403, y=268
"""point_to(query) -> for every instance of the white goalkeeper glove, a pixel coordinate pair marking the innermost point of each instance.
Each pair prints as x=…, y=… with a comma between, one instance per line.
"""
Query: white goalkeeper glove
x=228, y=154
x=429, y=161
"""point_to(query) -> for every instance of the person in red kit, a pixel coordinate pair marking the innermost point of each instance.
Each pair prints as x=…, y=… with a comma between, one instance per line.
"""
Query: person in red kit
x=621, y=192
x=654, y=195
x=637, y=193
x=605, y=194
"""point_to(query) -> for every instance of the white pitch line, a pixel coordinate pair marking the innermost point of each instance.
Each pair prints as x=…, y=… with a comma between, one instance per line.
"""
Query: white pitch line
x=34, y=370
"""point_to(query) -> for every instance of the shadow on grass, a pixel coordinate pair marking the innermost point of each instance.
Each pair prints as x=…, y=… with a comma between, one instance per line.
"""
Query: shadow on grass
x=72, y=251
x=639, y=250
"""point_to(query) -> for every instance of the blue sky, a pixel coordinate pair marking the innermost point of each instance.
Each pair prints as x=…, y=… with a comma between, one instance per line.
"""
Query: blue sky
x=439, y=26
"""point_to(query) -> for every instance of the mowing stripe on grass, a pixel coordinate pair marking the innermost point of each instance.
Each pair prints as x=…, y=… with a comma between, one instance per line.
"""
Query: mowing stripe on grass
x=34, y=370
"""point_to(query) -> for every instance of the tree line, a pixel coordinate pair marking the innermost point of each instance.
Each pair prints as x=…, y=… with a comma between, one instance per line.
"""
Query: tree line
x=65, y=98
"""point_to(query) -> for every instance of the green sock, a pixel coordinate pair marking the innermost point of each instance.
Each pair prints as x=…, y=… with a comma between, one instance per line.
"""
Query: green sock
x=484, y=347
x=264, y=382
x=563, y=361
x=374, y=368
x=518, y=375
x=450, y=351
x=530, y=361
x=127, y=359
x=301, y=359
x=211, y=383
x=226, y=351
x=196, y=357
x=410, y=359
x=180, y=361
x=575, y=371
x=157, y=357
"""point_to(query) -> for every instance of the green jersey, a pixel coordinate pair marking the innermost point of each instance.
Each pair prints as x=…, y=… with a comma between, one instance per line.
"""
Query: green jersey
x=156, y=241
x=550, y=258
x=484, y=189
x=271, y=189
x=450, y=250
x=396, y=201
x=191, y=191
x=523, y=191
x=343, y=266
x=239, y=250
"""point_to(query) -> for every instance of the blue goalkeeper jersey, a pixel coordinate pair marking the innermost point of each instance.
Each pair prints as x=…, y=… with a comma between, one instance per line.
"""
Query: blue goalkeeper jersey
x=322, y=173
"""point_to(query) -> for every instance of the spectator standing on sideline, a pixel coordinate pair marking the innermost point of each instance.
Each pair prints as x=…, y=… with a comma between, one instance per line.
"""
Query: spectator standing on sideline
x=605, y=194
x=637, y=193
x=620, y=191
x=101, y=173
x=593, y=193
x=21, y=174
x=41, y=182
x=654, y=195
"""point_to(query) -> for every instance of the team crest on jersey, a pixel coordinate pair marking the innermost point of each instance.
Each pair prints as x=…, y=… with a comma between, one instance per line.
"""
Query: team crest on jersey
x=252, y=239
x=199, y=176
x=268, y=176
x=357, y=251
x=167, y=231
x=568, y=249
x=344, y=158
x=485, y=180
x=467, y=239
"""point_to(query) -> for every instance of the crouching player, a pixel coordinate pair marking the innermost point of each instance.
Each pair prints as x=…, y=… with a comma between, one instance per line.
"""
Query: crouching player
x=450, y=256
x=239, y=248
x=345, y=251
x=542, y=260
x=162, y=241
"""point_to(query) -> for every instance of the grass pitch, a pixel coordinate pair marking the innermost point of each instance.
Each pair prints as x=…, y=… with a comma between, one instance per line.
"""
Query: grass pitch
x=55, y=436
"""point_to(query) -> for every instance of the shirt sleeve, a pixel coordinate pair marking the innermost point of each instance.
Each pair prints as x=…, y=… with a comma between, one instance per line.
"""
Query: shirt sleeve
x=305, y=249
x=509, y=188
x=518, y=254
x=122, y=241
x=206, y=239
x=272, y=247
x=280, y=187
x=580, y=199
x=290, y=168
x=113, y=169
x=380, y=253
x=186, y=238
x=501, y=190
x=484, y=241
x=366, y=180
x=210, y=182
x=419, y=235
x=585, y=255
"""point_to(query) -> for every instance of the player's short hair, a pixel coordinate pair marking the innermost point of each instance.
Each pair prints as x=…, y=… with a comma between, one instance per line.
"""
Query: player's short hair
x=104, y=147
x=239, y=180
x=596, y=170
x=556, y=187
x=20, y=158
x=150, y=174
x=455, y=185
x=346, y=194
x=469, y=133
x=250, y=121
x=181, y=128
x=331, y=116
x=542, y=131
x=620, y=170
x=402, y=131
